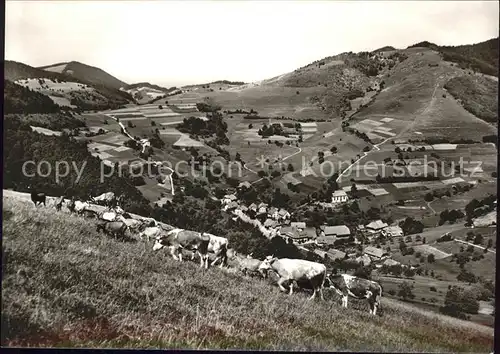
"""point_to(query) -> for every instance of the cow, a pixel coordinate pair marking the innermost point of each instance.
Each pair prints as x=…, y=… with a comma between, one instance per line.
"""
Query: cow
x=177, y=239
x=104, y=198
x=89, y=213
x=132, y=224
x=218, y=246
x=79, y=206
x=37, y=198
x=299, y=270
x=348, y=285
x=115, y=228
x=108, y=216
x=151, y=232
x=245, y=264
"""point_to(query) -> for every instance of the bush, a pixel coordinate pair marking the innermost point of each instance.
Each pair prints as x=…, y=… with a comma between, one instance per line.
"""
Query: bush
x=431, y=258
x=458, y=302
x=392, y=292
x=406, y=290
x=433, y=289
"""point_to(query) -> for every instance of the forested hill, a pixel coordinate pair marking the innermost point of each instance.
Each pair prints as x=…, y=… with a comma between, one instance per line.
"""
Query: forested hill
x=482, y=57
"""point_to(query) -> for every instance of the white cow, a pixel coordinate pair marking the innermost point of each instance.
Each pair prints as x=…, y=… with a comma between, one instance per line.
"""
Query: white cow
x=80, y=206
x=348, y=285
x=108, y=216
x=299, y=270
x=104, y=198
x=217, y=245
x=150, y=232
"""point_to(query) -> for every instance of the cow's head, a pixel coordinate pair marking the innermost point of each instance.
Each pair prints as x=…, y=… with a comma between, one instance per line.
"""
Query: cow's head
x=266, y=263
x=160, y=242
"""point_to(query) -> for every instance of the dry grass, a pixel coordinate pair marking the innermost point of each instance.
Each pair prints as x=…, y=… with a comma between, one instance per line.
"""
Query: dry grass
x=66, y=285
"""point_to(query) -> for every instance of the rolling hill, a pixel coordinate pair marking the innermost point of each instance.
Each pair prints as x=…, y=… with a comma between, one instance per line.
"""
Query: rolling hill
x=70, y=87
x=86, y=73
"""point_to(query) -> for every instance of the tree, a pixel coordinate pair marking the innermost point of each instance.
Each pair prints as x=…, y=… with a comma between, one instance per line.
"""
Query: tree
x=478, y=240
x=459, y=301
x=490, y=243
x=466, y=277
x=290, y=167
x=424, y=240
x=397, y=150
x=429, y=197
x=333, y=149
x=406, y=290
x=160, y=106
x=250, y=126
x=431, y=258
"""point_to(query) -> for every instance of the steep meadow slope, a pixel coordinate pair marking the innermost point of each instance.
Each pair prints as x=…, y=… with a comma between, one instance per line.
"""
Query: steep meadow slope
x=66, y=285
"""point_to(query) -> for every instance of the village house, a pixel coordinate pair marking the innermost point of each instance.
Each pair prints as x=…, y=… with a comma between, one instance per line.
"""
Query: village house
x=262, y=209
x=376, y=227
x=253, y=207
x=269, y=223
x=392, y=231
x=334, y=254
x=376, y=254
x=283, y=215
x=244, y=208
x=230, y=206
x=339, y=196
x=328, y=235
x=364, y=260
x=297, y=236
x=298, y=225
x=273, y=213
x=228, y=198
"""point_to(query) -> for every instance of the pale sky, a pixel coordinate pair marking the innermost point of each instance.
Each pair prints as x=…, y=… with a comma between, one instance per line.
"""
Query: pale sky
x=175, y=43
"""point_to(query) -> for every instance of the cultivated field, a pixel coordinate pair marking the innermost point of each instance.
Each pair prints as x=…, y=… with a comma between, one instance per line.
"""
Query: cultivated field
x=89, y=290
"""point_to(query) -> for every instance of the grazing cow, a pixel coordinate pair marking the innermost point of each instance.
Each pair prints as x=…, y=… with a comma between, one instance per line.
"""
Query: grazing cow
x=348, y=285
x=115, y=228
x=89, y=213
x=177, y=239
x=298, y=270
x=104, y=198
x=245, y=264
x=38, y=198
x=79, y=206
x=218, y=246
x=108, y=216
x=132, y=224
x=149, y=232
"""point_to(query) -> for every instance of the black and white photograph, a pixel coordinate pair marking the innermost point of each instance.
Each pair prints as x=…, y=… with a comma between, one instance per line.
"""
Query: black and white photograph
x=250, y=175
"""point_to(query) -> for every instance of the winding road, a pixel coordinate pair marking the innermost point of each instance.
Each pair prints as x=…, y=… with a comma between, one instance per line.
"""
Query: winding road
x=143, y=147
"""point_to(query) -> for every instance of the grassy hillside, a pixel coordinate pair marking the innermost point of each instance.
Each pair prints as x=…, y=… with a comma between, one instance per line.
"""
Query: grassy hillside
x=89, y=74
x=478, y=95
x=65, y=285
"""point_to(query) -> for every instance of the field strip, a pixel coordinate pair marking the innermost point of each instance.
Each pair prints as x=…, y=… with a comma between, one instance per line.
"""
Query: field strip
x=384, y=132
x=386, y=120
x=372, y=122
x=132, y=118
x=160, y=115
x=171, y=123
